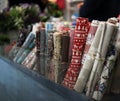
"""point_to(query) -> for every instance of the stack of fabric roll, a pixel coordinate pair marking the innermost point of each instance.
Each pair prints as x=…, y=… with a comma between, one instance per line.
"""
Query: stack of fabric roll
x=84, y=57
x=99, y=61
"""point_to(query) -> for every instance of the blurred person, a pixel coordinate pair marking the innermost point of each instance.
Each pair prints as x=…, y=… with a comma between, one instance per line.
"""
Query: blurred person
x=99, y=9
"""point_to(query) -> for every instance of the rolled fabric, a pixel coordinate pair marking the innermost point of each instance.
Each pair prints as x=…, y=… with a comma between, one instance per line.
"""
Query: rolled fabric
x=48, y=53
x=81, y=31
x=25, y=52
x=65, y=41
x=20, y=40
x=22, y=37
x=30, y=38
x=72, y=32
x=105, y=39
x=25, y=45
x=90, y=37
x=57, y=53
x=42, y=51
x=48, y=47
x=38, y=68
x=62, y=71
x=13, y=52
x=89, y=61
x=28, y=59
x=32, y=63
x=115, y=81
x=102, y=84
x=51, y=70
x=65, y=47
x=34, y=68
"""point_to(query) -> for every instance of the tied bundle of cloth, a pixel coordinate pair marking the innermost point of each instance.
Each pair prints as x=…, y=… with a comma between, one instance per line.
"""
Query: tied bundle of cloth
x=99, y=61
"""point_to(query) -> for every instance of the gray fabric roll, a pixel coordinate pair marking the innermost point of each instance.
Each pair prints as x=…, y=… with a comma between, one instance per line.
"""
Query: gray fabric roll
x=87, y=66
x=105, y=38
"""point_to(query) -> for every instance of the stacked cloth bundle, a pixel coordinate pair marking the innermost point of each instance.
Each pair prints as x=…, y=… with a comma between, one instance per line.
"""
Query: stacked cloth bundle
x=20, y=40
x=29, y=52
x=36, y=58
x=25, y=49
x=81, y=31
x=30, y=60
x=57, y=54
x=98, y=60
x=27, y=45
x=83, y=58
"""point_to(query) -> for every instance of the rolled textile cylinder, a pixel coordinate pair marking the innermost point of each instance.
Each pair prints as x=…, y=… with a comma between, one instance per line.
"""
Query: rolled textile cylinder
x=90, y=37
x=102, y=83
x=57, y=54
x=28, y=40
x=65, y=43
x=42, y=51
x=97, y=58
x=49, y=47
x=13, y=52
x=32, y=63
x=38, y=68
x=89, y=61
x=63, y=62
x=65, y=40
x=49, y=53
x=109, y=31
x=72, y=32
x=51, y=69
x=115, y=80
x=36, y=28
x=20, y=40
x=81, y=31
x=28, y=60
x=115, y=83
x=25, y=52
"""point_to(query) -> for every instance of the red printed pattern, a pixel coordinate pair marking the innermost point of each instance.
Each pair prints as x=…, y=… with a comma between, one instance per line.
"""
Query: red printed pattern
x=81, y=31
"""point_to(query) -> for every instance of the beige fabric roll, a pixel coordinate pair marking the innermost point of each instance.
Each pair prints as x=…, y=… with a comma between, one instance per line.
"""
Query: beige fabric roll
x=105, y=38
x=105, y=76
x=90, y=37
x=57, y=54
x=89, y=61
